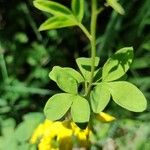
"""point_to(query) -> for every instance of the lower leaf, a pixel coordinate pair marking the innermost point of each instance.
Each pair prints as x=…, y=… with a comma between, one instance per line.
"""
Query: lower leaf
x=80, y=110
x=128, y=96
x=99, y=97
x=57, y=106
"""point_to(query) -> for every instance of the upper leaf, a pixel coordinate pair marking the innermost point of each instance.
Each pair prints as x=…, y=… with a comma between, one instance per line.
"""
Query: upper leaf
x=57, y=106
x=116, y=6
x=84, y=65
x=57, y=22
x=78, y=9
x=118, y=64
x=64, y=80
x=58, y=70
x=76, y=75
x=80, y=110
x=52, y=7
x=99, y=97
x=128, y=96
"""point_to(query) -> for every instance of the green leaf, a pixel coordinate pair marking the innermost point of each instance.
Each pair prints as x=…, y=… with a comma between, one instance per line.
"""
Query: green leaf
x=57, y=70
x=67, y=83
x=76, y=75
x=78, y=9
x=118, y=64
x=57, y=22
x=100, y=97
x=128, y=96
x=64, y=80
x=84, y=65
x=25, y=129
x=24, y=146
x=80, y=110
x=116, y=6
x=52, y=7
x=98, y=75
x=57, y=106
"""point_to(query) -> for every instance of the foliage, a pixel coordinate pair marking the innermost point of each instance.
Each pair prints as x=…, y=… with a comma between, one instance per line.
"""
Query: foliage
x=26, y=56
x=115, y=67
x=19, y=137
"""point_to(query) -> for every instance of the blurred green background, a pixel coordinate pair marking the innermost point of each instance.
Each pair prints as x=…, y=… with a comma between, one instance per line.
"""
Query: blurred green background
x=27, y=56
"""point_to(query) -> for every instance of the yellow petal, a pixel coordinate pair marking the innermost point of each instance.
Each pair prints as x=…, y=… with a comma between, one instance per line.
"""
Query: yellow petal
x=104, y=117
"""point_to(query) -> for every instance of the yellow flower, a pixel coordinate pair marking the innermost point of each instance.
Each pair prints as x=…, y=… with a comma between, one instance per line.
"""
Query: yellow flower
x=82, y=135
x=37, y=134
x=104, y=117
x=58, y=135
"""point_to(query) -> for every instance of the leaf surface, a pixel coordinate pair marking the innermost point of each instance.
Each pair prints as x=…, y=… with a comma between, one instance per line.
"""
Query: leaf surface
x=128, y=96
x=118, y=64
x=76, y=75
x=52, y=7
x=64, y=80
x=100, y=97
x=57, y=22
x=78, y=9
x=57, y=106
x=80, y=110
x=116, y=6
x=84, y=65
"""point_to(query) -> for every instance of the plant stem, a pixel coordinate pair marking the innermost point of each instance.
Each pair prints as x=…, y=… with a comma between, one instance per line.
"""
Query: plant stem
x=86, y=32
x=93, y=43
x=3, y=66
x=100, y=10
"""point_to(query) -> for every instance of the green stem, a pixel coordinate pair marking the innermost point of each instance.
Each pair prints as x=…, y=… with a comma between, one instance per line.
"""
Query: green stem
x=85, y=31
x=93, y=43
x=3, y=66
x=100, y=10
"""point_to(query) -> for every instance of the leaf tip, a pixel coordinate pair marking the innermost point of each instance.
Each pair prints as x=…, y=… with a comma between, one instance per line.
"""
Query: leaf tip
x=35, y=3
x=41, y=28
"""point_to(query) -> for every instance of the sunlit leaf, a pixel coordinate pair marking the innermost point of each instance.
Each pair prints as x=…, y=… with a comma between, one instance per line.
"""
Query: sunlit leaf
x=57, y=22
x=116, y=6
x=52, y=7
x=76, y=75
x=99, y=97
x=80, y=110
x=128, y=96
x=118, y=64
x=78, y=8
x=84, y=65
x=64, y=80
x=57, y=106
